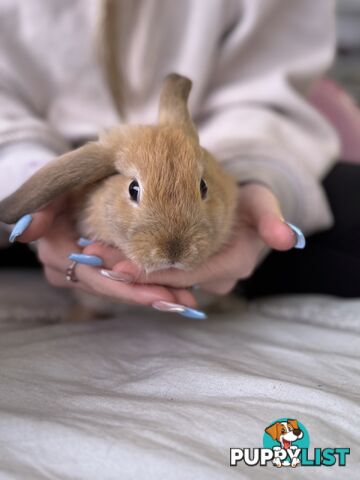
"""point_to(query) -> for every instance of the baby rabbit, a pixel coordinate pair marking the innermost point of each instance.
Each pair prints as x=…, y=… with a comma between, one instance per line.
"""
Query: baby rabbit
x=152, y=191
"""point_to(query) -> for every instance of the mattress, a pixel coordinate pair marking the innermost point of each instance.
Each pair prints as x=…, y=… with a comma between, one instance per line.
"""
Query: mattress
x=152, y=395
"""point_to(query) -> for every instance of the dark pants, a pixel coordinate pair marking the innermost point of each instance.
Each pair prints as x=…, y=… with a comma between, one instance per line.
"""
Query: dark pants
x=330, y=262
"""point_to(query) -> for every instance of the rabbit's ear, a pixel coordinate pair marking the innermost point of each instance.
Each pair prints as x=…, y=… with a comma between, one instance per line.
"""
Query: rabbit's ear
x=78, y=168
x=173, y=104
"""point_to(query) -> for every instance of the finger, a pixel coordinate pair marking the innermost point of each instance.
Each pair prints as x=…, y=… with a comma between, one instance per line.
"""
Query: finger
x=41, y=222
x=172, y=277
x=275, y=233
x=220, y=287
x=184, y=297
x=124, y=292
x=57, y=278
x=140, y=295
x=266, y=216
x=109, y=255
x=135, y=294
x=54, y=248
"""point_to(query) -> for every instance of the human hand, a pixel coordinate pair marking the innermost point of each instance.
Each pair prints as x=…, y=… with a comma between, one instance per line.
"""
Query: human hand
x=259, y=227
x=54, y=230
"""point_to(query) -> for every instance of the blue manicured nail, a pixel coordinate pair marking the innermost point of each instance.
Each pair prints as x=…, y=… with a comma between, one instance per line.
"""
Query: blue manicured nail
x=86, y=259
x=192, y=313
x=180, y=309
x=20, y=227
x=300, y=239
x=84, y=242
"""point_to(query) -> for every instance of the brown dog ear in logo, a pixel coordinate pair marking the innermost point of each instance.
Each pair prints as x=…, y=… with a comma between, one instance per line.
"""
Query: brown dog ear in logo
x=297, y=430
x=294, y=424
x=273, y=430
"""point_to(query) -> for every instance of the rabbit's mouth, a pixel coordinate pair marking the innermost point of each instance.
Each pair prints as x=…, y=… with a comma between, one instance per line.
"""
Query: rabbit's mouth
x=167, y=266
x=152, y=264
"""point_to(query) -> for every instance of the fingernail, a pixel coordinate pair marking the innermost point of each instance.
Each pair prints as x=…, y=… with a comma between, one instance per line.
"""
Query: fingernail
x=84, y=242
x=300, y=239
x=117, y=276
x=20, y=227
x=86, y=259
x=181, y=309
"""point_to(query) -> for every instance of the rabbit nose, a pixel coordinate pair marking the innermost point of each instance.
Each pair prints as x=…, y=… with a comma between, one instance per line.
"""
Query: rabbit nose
x=174, y=249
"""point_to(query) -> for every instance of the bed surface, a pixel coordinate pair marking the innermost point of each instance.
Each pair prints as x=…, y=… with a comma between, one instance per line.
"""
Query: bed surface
x=149, y=395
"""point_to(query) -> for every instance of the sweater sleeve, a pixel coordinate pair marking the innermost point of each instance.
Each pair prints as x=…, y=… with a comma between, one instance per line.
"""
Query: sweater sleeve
x=27, y=140
x=256, y=119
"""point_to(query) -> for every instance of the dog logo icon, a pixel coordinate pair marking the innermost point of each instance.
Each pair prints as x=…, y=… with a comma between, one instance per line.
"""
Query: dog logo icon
x=286, y=433
x=286, y=443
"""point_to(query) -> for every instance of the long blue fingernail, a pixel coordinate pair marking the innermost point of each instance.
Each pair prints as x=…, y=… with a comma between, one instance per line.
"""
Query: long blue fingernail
x=20, y=227
x=84, y=242
x=300, y=239
x=86, y=259
x=192, y=313
x=180, y=309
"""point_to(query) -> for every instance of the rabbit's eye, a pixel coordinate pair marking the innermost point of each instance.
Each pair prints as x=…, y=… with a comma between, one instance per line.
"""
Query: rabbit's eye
x=203, y=188
x=134, y=191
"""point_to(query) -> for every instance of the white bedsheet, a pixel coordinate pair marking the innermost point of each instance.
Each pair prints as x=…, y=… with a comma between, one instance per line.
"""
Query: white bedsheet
x=151, y=395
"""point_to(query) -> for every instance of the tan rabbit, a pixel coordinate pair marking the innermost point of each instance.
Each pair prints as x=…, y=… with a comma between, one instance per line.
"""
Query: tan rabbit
x=151, y=191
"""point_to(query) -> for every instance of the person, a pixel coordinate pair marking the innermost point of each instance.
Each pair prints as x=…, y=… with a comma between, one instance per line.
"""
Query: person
x=70, y=69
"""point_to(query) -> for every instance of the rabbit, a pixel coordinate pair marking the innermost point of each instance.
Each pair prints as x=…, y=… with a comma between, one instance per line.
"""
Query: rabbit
x=150, y=190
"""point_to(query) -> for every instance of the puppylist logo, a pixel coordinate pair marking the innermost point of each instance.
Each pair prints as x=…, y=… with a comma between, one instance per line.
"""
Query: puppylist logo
x=286, y=443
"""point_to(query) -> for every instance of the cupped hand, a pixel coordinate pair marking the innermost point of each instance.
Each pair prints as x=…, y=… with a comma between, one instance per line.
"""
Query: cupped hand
x=54, y=230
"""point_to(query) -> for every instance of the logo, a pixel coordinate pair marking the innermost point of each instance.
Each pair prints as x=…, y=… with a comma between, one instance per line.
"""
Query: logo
x=286, y=443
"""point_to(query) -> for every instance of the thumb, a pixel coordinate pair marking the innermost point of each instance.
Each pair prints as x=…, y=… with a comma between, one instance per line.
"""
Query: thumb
x=275, y=232
x=269, y=221
x=32, y=227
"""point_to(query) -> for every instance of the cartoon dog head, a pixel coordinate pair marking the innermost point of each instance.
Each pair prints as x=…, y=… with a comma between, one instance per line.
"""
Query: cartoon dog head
x=285, y=432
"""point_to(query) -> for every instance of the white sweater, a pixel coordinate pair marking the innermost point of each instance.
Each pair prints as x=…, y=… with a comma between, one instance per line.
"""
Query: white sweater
x=251, y=62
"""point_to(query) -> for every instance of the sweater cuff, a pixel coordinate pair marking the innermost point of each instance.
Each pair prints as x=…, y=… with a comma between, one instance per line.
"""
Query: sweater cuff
x=18, y=161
